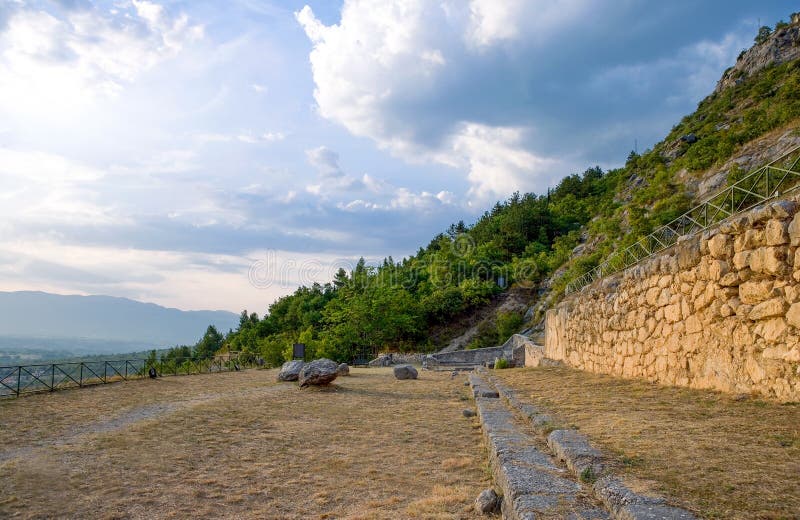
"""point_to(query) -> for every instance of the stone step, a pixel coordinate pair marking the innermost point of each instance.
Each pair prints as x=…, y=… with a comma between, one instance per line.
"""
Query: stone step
x=533, y=483
x=587, y=463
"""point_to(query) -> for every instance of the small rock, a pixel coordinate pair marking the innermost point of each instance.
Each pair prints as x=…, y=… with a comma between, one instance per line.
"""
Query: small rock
x=290, y=370
x=405, y=372
x=740, y=397
x=466, y=383
x=343, y=370
x=318, y=372
x=487, y=502
x=453, y=374
x=468, y=413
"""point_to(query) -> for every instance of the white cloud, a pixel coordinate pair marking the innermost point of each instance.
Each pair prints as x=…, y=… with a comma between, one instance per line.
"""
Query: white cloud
x=52, y=62
x=325, y=160
x=355, y=66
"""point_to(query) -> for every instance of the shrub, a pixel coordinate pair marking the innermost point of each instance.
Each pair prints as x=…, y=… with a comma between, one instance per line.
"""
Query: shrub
x=502, y=363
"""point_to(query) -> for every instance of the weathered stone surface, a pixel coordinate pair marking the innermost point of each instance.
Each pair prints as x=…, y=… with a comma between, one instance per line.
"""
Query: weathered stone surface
x=319, y=372
x=729, y=320
x=529, y=479
x=625, y=504
x=343, y=369
x=752, y=293
x=776, y=232
x=467, y=412
x=720, y=246
x=794, y=230
x=405, y=372
x=768, y=309
x=487, y=502
x=290, y=370
x=793, y=315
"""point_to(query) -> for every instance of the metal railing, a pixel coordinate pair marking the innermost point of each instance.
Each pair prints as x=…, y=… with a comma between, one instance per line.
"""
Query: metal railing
x=765, y=183
x=27, y=379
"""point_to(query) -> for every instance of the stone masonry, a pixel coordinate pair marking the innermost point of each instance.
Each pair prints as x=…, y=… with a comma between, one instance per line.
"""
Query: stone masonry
x=719, y=310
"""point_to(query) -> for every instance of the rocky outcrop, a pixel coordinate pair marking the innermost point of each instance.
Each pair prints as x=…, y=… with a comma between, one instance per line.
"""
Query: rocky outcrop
x=782, y=46
x=719, y=310
x=318, y=372
x=290, y=370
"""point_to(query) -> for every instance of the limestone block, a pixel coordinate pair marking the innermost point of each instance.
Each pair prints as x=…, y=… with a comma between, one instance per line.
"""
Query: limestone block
x=736, y=225
x=794, y=230
x=726, y=293
x=750, y=239
x=672, y=313
x=699, y=288
x=793, y=315
x=793, y=356
x=693, y=324
x=652, y=296
x=783, y=209
x=754, y=370
x=742, y=336
x=771, y=330
x=776, y=232
x=769, y=309
x=755, y=292
x=777, y=352
x=791, y=293
x=769, y=260
x=730, y=280
x=686, y=309
x=726, y=310
x=741, y=259
x=720, y=246
x=717, y=269
x=688, y=253
x=665, y=281
x=664, y=297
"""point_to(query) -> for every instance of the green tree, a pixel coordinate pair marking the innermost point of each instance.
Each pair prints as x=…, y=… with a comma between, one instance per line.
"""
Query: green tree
x=763, y=35
x=209, y=344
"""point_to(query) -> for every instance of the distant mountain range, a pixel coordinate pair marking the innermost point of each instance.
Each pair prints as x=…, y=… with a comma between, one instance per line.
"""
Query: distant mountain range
x=99, y=323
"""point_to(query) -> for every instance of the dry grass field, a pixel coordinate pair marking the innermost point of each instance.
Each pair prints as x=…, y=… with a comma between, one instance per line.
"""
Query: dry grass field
x=240, y=445
x=718, y=456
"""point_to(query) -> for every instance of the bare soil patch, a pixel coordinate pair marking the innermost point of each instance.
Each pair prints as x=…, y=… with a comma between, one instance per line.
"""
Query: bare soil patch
x=707, y=451
x=240, y=445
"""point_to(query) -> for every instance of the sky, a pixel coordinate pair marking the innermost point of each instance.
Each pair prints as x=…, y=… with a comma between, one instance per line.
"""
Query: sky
x=216, y=155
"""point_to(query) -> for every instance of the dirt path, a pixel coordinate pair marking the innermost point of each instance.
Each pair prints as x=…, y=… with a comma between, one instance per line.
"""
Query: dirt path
x=242, y=446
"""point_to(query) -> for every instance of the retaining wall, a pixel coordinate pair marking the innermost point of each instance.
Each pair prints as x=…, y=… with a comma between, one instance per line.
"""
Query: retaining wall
x=719, y=310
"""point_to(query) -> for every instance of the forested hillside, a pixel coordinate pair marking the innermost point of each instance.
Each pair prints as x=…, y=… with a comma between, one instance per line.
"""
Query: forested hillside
x=529, y=240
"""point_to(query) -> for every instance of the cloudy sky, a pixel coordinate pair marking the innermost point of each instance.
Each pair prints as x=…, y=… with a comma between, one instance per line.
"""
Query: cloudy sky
x=213, y=155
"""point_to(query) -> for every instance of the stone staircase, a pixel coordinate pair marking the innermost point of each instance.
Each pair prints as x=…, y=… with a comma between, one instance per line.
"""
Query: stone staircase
x=552, y=474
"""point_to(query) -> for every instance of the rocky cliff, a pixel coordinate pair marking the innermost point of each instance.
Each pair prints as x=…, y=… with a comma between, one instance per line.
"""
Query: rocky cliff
x=782, y=46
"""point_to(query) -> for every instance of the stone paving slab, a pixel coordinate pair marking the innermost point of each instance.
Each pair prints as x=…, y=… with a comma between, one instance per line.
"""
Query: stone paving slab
x=585, y=461
x=534, y=486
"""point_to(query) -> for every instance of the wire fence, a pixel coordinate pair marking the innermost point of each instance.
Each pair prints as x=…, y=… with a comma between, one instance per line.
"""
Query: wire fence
x=27, y=379
x=765, y=183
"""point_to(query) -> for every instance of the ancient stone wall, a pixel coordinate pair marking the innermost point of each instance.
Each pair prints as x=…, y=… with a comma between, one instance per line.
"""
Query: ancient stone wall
x=719, y=310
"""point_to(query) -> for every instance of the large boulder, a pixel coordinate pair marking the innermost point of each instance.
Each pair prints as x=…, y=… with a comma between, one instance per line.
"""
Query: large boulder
x=487, y=502
x=405, y=372
x=318, y=372
x=290, y=371
x=343, y=370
